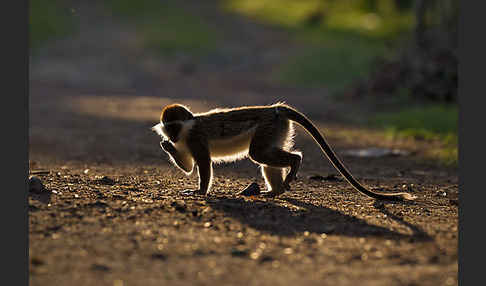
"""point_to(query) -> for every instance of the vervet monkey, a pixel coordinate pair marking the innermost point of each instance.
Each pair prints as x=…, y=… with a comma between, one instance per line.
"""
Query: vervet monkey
x=263, y=133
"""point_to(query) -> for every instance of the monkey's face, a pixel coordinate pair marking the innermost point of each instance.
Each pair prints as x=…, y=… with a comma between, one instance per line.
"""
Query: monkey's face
x=172, y=130
x=168, y=131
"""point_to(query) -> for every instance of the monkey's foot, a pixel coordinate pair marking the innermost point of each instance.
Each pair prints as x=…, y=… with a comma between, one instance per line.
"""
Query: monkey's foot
x=193, y=193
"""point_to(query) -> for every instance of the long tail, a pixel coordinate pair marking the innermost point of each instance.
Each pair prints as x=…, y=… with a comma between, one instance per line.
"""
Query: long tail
x=302, y=120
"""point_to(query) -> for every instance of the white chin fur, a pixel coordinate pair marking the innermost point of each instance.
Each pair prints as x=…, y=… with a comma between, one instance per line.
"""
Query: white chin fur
x=158, y=129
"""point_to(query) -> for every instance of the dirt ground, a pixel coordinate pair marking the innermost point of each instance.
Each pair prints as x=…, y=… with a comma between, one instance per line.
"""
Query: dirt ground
x=113, y=215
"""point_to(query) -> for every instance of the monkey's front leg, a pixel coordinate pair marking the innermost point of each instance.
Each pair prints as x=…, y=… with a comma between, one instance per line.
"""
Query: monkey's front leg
x=205, y=174
x=204, y=167
x=183, y=161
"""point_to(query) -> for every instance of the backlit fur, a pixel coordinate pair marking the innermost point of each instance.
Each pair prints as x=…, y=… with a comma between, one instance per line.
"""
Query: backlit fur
x=262, y=133
x=231, y=149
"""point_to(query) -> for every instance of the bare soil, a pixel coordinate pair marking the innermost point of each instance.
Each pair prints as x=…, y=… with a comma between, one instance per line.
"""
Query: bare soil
x=112, y=212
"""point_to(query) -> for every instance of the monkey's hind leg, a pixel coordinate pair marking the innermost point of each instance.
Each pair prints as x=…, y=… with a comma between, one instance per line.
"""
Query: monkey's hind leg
x=273, y=180
x=277, y=158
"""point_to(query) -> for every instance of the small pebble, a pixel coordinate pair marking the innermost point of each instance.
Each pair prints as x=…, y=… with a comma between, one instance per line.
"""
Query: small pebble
x=105, y=180
x=252, y=190
x=239, y=252
x=35, y=185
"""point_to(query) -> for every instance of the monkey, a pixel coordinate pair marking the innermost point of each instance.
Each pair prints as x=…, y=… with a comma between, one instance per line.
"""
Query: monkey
x=262, y=133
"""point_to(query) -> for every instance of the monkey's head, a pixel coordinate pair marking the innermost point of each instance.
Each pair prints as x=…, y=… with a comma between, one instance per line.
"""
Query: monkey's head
x=172, y=120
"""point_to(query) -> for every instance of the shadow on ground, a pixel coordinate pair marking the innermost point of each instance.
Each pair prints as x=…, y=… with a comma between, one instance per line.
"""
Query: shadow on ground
x=270, y=217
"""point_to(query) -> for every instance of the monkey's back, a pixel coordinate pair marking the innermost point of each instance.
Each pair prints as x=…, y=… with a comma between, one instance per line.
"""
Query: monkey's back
x=227, y=123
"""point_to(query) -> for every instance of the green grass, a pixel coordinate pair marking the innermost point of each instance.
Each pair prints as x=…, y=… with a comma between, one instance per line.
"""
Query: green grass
x=384, y=20
x=49, y=19
x=166, y=27
x=334, y=59
x=342, y=46
x=432, y=122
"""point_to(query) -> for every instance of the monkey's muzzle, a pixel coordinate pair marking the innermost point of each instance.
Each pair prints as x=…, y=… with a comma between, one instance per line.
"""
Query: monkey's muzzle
x=158, y=129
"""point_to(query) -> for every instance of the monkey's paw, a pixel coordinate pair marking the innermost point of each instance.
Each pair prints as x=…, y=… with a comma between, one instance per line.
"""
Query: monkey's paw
x=193, y=193
x=167, y=146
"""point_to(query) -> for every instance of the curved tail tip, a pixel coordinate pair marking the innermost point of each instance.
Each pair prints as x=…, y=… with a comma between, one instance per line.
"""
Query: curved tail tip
x=408, y=197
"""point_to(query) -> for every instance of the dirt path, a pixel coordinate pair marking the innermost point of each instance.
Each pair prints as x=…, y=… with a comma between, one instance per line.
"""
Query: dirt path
x=114, y=215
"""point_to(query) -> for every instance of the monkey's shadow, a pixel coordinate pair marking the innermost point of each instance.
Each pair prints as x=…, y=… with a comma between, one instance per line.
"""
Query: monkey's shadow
x=276, y=219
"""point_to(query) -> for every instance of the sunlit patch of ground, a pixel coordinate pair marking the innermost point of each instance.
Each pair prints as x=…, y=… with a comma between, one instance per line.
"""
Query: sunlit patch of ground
x=138, y=108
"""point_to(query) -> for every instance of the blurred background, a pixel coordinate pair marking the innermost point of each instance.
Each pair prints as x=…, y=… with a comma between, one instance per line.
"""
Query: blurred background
x=377, y=77
x=388, y=67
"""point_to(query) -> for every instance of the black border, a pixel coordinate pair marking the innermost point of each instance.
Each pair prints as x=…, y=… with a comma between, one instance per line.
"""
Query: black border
x=14, y=21
x=472, y=81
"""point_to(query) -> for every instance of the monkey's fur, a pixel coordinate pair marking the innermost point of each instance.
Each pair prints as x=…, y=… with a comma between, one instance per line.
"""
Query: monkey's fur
x=263, y=133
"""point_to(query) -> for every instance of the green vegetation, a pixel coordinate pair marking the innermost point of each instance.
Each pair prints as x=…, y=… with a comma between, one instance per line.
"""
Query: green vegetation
x=49, y=19
x=432, y=122
x=167, y=27
x=335, y=59
x=379, y=18
x=344, y=37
